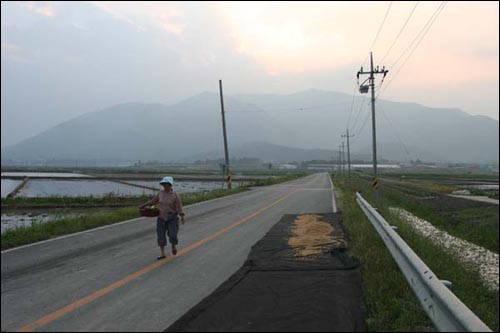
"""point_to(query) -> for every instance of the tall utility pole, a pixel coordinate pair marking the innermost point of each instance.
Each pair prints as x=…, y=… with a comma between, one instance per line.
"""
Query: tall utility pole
x=363, y=89
x=340, y=158
x=343, y=157
x=226, y=152
x=348, y=151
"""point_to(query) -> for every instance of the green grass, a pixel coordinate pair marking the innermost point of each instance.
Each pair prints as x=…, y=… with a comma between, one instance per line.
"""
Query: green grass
x=469, y=220
x=473, y=221
x=487, y=193
x=428, y=186
x=61, y=202
x=441, y=176
x=466, y=280
x=41, y=231
x=391, y=304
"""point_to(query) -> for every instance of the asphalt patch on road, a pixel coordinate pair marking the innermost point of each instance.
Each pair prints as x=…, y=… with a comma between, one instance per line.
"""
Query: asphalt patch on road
x=297, y=278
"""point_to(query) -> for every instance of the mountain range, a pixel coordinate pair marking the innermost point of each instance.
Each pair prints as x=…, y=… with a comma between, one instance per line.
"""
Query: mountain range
x=274, y=128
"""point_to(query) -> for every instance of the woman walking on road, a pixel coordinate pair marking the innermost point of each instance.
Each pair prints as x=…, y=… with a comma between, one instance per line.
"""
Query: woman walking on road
x=167, y=222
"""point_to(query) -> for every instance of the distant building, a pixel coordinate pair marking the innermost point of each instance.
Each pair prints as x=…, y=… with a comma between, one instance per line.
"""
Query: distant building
x=322, y=167
x=475, y=169
x=379, y=166
x=287, y=167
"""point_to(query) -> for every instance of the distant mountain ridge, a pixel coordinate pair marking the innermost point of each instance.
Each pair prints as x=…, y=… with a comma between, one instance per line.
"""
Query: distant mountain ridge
x=307, y=123
x=268, y=152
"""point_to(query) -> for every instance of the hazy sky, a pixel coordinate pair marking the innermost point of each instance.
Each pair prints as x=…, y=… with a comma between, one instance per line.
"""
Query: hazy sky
x=62, y=59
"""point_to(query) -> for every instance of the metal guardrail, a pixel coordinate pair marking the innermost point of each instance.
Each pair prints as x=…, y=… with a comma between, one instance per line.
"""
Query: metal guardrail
x=445, y=310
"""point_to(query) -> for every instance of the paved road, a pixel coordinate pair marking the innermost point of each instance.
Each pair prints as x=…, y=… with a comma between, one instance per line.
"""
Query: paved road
x=108, y=279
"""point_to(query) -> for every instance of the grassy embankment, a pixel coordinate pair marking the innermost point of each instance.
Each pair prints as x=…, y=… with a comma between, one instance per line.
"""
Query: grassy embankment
x=41, y=231
x=391, y=303
x=485, y=193
x=446, y=183
x=473, y=221
x=110, y=200
x=440, y=177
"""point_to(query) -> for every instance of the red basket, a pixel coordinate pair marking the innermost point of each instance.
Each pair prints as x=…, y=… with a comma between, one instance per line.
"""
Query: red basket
x=149, y=212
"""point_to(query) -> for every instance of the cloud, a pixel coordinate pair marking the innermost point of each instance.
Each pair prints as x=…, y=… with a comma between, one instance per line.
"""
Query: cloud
x=168, y=18
x=111, y=8
x=286, y=38
x=88, y=56
x=43, y=8
x=146, y=15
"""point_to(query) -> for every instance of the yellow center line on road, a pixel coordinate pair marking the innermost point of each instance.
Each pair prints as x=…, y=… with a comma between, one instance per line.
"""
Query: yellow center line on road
x=98, y=294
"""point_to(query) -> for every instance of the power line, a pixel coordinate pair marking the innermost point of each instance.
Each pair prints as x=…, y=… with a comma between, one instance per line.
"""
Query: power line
x=378, y=32
x=417, y=36
x=364, y=61
x=363, y=126
x=397, y=134
x=352, y=104
x=380, y=29
x=420, y=36
x=438, y=11
x=371, y=80
x=400, y=31
x=361, y=104
x=418, y=39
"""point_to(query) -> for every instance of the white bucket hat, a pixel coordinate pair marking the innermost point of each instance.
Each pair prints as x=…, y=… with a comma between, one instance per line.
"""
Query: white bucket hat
x=167, y=180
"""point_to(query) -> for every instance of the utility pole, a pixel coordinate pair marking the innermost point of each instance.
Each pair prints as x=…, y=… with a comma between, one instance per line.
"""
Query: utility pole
x=340, y=159
x=226, y=153
x=348, y=151
x=343, y=157
x=364, y=89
